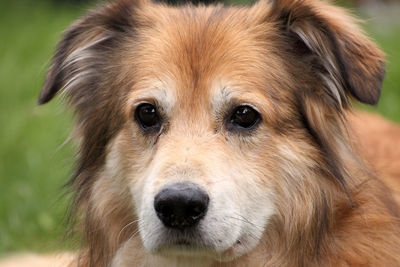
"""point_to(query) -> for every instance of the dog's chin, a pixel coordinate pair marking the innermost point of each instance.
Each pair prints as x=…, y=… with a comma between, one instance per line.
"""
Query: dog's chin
x=187, y=248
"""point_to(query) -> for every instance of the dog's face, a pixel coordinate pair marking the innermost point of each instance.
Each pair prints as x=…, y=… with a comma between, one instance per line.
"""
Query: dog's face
x=195, y=148
x=205, y=129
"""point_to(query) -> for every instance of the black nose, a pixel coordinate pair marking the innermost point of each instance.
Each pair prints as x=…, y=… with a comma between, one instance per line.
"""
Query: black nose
x=181, y=205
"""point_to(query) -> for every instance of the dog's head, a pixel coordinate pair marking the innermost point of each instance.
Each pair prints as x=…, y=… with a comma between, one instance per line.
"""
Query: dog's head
x=209, y=128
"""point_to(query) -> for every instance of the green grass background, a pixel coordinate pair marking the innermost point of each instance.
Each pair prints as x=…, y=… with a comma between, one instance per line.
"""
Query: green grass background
x=34, y=162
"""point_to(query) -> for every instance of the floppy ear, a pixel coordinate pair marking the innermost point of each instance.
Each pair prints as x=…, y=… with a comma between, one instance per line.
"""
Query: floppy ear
x=347, y=62
x=80, y=54
x=337, y=60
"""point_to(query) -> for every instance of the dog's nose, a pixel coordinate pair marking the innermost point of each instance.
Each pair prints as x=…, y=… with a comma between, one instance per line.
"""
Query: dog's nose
x=181, y=205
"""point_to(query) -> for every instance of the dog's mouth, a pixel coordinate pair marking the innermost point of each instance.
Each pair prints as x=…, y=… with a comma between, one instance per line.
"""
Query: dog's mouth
x=187, y=243
x=183, y=242
x=195, y=249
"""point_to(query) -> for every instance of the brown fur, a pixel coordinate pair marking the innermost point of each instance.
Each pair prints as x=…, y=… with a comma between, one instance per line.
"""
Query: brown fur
x=379, y=142
x=297, y=61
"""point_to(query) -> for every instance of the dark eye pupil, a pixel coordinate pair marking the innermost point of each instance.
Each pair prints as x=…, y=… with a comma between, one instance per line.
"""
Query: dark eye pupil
x=244, y=117
x=147, y=116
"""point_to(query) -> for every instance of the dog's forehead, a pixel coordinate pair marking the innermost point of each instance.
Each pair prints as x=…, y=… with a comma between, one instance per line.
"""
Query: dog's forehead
x=195, y=54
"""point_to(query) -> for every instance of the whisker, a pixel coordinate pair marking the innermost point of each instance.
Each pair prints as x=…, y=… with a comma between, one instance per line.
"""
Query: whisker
x=127, y=225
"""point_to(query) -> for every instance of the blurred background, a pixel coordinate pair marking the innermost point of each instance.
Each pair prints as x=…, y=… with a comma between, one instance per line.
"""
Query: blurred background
x=36, y=158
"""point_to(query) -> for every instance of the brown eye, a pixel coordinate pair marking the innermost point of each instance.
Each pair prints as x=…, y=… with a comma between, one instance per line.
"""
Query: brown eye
x=147, y=117
x=243, y=118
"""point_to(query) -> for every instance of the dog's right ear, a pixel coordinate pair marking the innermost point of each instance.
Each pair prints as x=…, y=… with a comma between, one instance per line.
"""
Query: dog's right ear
x=79, y=54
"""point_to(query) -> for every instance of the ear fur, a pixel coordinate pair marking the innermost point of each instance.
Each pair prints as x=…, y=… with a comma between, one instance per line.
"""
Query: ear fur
x=348, y=62
x=79, y=53
x=339, y=61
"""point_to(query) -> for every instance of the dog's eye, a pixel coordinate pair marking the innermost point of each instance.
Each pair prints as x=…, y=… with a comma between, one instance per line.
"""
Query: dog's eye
x=147, y=117
x=243, y=117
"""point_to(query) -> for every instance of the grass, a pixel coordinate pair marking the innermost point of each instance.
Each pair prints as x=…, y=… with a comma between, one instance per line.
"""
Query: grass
x=34, y=163
x=32, y=168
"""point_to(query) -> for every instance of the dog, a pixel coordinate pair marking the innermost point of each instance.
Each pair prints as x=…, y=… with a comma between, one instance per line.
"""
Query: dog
x=218, y=136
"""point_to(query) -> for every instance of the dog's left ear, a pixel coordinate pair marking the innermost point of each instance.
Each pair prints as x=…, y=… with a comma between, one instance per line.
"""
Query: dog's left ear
x=344, y=58
x=337, y=61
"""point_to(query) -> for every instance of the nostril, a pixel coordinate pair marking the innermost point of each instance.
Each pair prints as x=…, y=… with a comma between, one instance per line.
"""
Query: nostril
x=181, y=205
x=195, y=210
